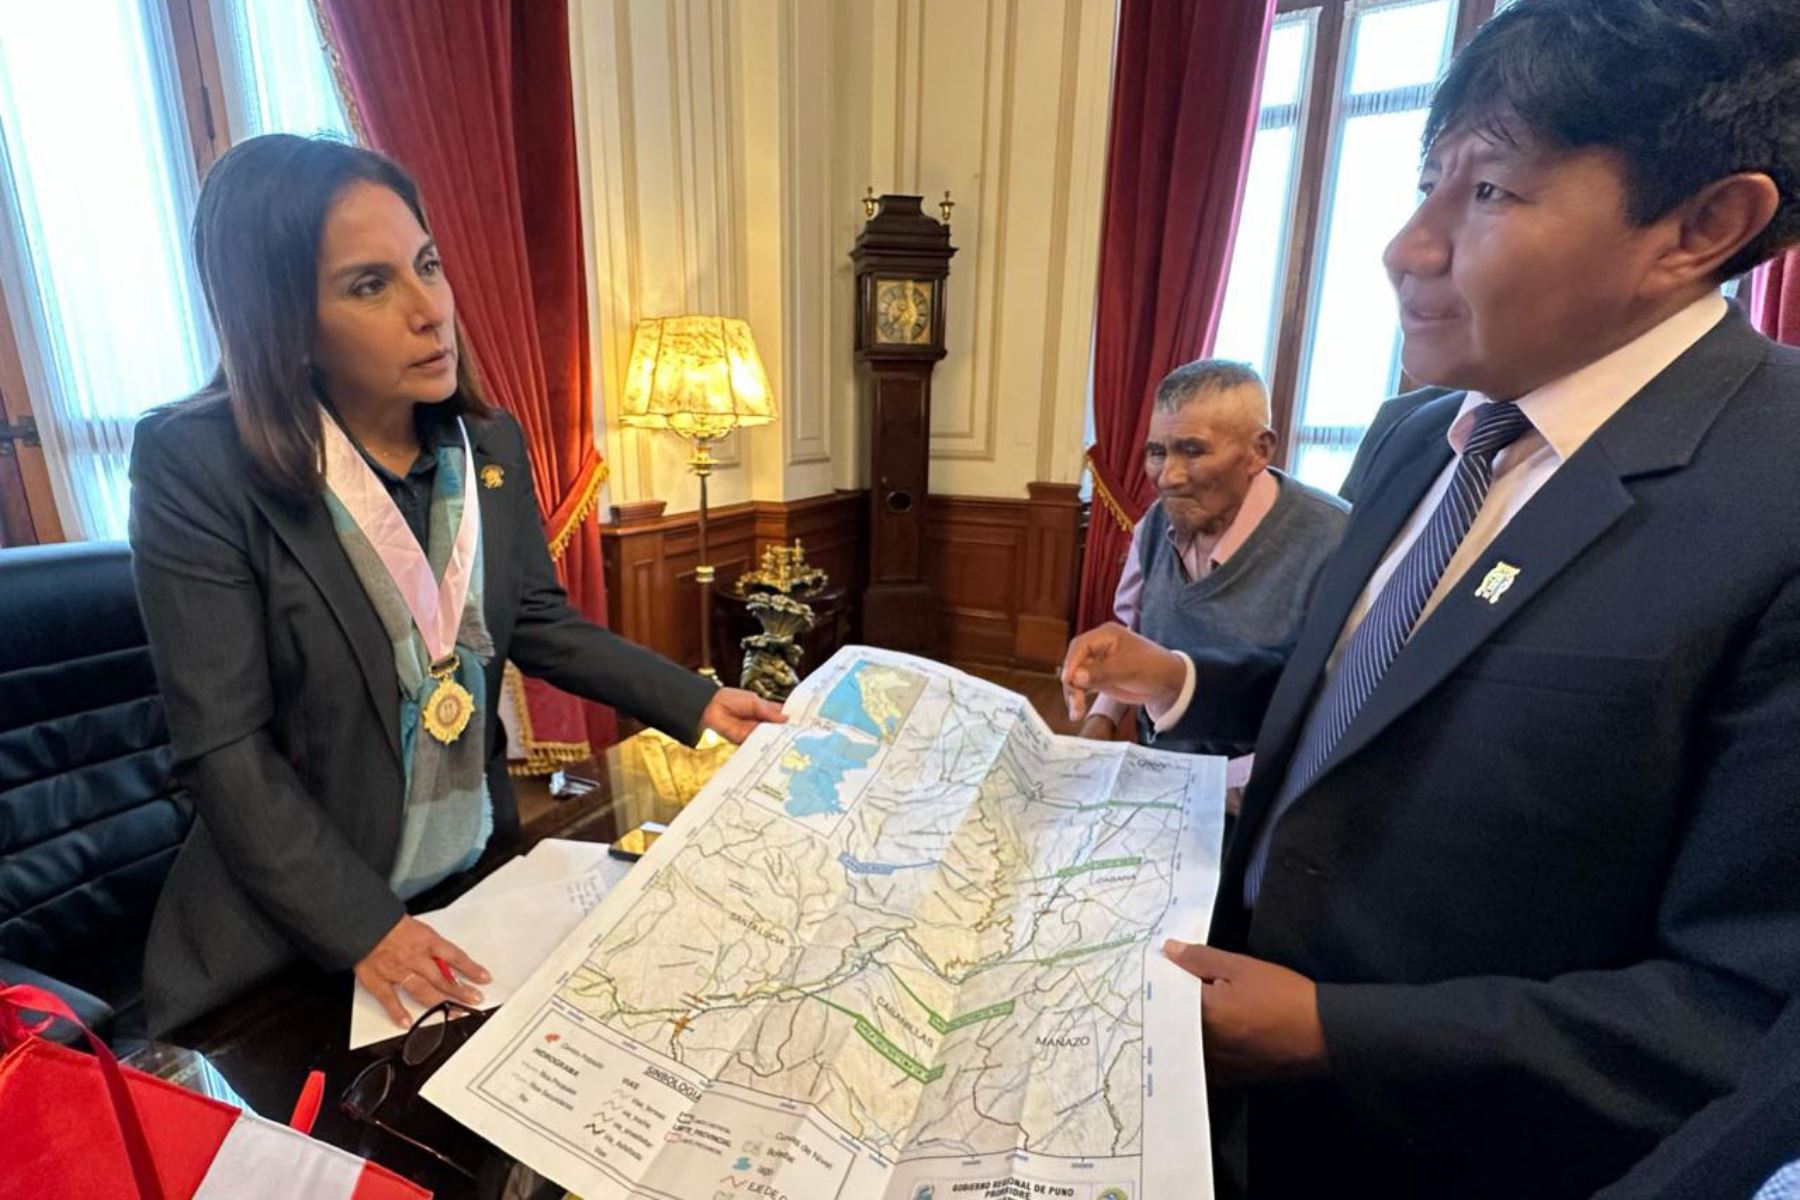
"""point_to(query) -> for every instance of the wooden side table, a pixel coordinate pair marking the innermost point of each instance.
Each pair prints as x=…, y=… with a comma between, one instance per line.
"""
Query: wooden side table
x=733, y=622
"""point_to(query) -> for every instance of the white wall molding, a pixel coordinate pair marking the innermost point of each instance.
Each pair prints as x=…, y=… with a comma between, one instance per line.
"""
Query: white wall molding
x=725, y=146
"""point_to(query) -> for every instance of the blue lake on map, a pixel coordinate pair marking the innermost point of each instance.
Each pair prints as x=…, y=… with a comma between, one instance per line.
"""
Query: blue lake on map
x=844, y=705
x=813, y=789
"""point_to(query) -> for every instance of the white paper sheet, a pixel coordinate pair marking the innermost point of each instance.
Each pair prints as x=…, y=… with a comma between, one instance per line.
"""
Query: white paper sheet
x=510, y=924
x=550, y=861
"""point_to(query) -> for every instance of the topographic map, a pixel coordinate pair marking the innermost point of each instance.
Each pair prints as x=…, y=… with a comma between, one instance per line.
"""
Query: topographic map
x=905, y=946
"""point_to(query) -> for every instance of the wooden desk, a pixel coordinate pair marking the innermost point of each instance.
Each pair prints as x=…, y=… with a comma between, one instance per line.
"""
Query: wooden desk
x=265, y=1044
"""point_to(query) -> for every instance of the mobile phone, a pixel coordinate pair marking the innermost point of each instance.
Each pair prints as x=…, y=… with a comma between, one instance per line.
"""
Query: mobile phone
x=634, y=845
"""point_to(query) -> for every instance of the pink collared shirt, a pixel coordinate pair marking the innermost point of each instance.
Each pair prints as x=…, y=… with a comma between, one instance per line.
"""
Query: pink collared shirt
x=1199, y=556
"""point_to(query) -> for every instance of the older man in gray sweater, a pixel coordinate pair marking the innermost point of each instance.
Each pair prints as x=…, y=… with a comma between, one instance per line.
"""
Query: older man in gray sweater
x=1227, y=555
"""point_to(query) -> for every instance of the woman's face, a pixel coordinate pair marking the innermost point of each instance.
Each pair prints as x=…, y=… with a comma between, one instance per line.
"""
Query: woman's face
x=386, y=332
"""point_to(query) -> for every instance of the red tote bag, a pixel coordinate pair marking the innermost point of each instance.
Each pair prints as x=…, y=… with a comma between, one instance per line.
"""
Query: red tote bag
x=75, y=1126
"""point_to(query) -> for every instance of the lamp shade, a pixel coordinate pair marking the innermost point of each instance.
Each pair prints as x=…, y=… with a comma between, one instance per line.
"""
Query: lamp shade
x=697, y=375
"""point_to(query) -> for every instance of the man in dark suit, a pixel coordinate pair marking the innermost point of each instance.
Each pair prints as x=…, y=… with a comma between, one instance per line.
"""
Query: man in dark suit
x=1739, y=1141
x=1514, y=891
x=1376, y=436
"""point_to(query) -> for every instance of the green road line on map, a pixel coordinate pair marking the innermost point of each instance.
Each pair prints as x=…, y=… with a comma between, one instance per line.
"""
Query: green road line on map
x=1079, y=951
x=1100, y=864
x=894, y=1054
x=1002, y=1009
x=851, y=1013
x=1105, y=804
x=930, y=1015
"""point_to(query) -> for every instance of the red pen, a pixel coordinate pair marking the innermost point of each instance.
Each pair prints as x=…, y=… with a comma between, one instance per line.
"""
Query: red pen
x=444, y=970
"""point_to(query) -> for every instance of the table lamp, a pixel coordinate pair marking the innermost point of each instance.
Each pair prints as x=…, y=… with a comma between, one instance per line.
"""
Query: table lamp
x=701, y=377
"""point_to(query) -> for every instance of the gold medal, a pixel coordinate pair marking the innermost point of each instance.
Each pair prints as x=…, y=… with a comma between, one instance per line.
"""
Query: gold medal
x=449, y=707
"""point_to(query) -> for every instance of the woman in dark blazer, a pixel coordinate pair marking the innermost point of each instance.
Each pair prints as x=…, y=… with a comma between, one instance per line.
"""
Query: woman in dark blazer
x=338, y=735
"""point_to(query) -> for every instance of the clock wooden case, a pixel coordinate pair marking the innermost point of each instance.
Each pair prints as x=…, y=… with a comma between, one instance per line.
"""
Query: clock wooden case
x=902, y=259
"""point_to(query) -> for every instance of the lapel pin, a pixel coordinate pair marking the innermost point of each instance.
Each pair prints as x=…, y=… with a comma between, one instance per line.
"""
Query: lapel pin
x=492, y=477
x=1494, y=585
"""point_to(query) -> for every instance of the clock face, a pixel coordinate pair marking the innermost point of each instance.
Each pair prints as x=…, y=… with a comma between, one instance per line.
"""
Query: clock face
x=902, y=312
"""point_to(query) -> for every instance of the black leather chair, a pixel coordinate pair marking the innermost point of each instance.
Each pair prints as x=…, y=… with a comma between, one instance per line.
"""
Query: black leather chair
x=89, y=817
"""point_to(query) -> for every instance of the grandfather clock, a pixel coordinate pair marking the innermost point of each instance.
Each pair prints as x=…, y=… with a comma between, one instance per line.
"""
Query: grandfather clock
x=902, y=257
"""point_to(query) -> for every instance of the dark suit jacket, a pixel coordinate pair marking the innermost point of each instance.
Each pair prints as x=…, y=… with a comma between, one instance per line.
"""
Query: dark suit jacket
x=1547, y=881
x=1728, y=1150
x=1389, y=415
x=282, y=702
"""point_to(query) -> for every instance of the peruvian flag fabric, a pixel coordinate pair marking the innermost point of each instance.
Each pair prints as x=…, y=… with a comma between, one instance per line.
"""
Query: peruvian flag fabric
x=62, y=1137
x=270, y=1161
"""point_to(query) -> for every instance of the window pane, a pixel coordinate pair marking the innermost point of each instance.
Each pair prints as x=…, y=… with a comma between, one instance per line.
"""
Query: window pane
x=97, y=183
x=1399, y=45
x=277, y=75
x=1285, y=61
x=1250, y=317
x=1324, y=467
x=1351, y=360
x=1351, y=364
x=1253, y=289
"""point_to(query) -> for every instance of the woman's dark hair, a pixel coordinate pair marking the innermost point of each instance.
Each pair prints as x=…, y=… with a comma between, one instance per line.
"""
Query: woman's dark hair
x=1687, y=92
x=257, y=230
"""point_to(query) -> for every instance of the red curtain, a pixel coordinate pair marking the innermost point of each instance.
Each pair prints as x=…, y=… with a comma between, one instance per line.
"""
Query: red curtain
x=474, y=97
x=1775, y=298
x=1185, y=88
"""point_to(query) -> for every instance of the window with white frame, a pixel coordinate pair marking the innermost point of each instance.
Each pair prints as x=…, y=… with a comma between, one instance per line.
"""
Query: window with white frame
x=277, y=77
x=99, y=169
x=1333, y=175
x=1253, y=291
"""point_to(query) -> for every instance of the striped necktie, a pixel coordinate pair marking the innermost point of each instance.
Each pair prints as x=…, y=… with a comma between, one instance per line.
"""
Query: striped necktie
x=1378, y=640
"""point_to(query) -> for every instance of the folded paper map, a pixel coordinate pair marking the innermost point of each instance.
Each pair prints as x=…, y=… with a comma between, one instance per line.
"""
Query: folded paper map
x=905, y=946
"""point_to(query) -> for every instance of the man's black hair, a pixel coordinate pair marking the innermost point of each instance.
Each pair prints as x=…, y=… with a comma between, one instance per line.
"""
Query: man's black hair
x=1685, y=91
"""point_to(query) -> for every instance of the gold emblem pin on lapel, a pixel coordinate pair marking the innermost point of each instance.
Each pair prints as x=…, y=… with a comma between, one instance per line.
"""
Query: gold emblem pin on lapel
x=1497, y=581
x=492, y=477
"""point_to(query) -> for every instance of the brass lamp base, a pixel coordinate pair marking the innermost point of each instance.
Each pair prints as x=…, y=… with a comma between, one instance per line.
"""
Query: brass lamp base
x=702, y=464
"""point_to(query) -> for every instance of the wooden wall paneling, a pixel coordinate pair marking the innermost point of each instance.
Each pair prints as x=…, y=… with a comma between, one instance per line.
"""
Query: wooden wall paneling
x=1003, y=571
x=649, y=559
x=629, y=552
x=834, y=531
x=1005, y=574
x=1052, y=572
x=975, y=554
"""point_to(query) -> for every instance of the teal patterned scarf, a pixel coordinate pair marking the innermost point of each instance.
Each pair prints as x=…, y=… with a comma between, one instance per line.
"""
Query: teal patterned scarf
x=449, y=815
